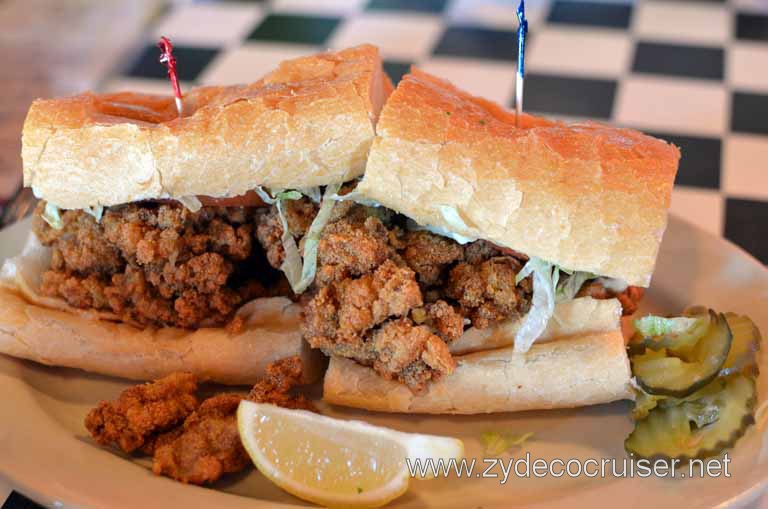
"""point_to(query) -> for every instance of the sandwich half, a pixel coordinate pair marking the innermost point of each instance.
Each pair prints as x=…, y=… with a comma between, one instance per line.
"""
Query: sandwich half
x=526, y=243
x=145, y=257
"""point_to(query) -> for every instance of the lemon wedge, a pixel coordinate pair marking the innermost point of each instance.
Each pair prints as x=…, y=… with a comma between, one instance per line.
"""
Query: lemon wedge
x=332, y=462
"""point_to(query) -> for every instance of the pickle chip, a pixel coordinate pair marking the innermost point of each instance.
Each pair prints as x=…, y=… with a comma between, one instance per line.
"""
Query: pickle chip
x=696, y=428
x=744, y=346
x=660, y=372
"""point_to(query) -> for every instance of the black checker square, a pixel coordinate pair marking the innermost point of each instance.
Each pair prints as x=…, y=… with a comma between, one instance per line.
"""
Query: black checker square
x=579, y=97
x=396, y=69
x=295, y=29
x=749, y=113
x=700, y=161
x=752, y=27
x=426, y=6
x=18, y=501
x=190, y=62
x=597, y=14
x=677, y=60
x=476, y=42
x=745, y=225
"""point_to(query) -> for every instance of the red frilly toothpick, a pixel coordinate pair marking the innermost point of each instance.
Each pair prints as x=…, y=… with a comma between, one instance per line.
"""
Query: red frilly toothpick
x=167, y=58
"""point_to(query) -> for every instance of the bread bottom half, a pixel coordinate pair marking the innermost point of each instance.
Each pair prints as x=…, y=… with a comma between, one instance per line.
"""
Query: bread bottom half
x=566, y=373
x=580, y=360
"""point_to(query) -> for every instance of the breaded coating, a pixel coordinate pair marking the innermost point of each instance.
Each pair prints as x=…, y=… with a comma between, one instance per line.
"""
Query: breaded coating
x=158, y=264
x=367, y=301
x=282, y=377
x=351, y=248
x=487, y=292
x=445, y=320
x=142, y=412
x=383, y=296
x=410, y=354
x=428, y=254
x=206, y=446
x=190, y=443
x=341, y=319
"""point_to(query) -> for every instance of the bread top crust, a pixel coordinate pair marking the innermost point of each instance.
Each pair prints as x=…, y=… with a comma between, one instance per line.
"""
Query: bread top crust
x=584, y=196
x=310, y=122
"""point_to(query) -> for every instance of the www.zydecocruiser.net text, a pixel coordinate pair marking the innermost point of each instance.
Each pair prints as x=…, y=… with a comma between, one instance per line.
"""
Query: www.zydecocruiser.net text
x=527, y=467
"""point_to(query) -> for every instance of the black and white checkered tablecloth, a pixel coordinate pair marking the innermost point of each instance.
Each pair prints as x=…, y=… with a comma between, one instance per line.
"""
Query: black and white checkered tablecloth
x=692, y=72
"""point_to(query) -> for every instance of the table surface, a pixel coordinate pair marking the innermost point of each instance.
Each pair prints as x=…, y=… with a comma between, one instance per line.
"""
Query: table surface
x=692, y=72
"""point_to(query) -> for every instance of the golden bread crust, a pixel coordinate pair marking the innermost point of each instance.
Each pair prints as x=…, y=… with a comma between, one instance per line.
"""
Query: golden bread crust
x=310, y=122
x=584, y=196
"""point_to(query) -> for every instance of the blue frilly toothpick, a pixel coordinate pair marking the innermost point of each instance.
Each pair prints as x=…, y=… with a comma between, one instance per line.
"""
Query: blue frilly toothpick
x=522, y=31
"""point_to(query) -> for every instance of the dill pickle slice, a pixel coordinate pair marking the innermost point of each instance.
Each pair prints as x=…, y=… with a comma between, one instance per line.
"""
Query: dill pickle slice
x=697, y=428
x=744, y=347
x=681, y=376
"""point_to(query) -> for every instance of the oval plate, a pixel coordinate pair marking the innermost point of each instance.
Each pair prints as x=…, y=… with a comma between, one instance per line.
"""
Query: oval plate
x=46, y=452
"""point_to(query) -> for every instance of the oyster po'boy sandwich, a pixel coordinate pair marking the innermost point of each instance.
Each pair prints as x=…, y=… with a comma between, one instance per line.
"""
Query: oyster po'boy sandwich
x=144, y=257
x=475, y=266
x=517, y=250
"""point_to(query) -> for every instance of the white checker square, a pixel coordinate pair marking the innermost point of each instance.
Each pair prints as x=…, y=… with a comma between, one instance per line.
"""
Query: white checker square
x=250, y=62
x=682, y=22
x=322, y=7
x=497, y=14
x=581, y=52
x=409, y=37
x=747, y=66
x=744, y=173
x=209, y=24
x=141, y=85
x=685, y=106
x=493, y=81
x=703, y=208
x=756, y=7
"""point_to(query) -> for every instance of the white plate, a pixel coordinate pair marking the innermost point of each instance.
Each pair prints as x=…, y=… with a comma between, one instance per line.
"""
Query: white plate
x=45, y=450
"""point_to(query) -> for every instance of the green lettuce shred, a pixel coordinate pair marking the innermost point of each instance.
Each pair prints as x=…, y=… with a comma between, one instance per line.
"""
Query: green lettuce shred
x=545, y=277
x=568, y=289
x=52, y=216
x=651, y=326
x=301, y=272
x=97, y=212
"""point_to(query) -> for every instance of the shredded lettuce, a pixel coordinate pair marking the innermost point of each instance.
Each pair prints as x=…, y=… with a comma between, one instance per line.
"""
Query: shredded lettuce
x=497, y=443
x=288, y=195
x=265, y=196
x=356, y=197
x=52, y=216
x=191, y=202
x=313, y=193
x=300, y=273
x=650, y=326
x=454, y=219
x=461, y=239
x=568, y=289
x=96, y=212
x=312, y=240
x=279, y=195
x=545, y=276
x=291, y=265
x=613, y=284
